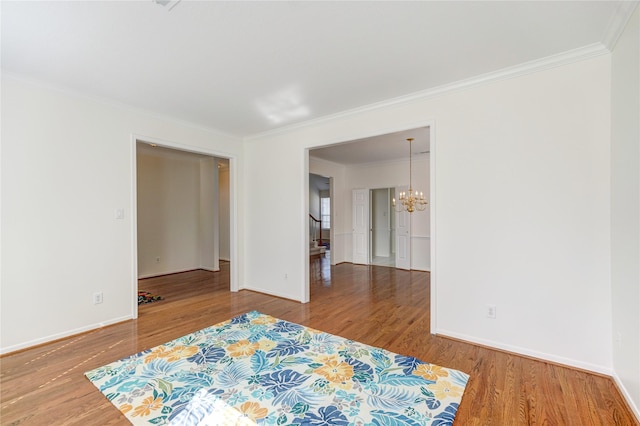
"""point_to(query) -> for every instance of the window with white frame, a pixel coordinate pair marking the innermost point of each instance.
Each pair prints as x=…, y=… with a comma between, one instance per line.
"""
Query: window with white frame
x=325, y=212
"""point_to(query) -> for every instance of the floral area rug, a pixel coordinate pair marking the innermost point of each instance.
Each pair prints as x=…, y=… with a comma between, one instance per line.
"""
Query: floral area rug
x=146, y=297
x=256, y=369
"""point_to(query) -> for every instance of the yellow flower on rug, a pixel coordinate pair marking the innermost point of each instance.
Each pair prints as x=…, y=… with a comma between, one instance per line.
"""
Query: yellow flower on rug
x=242, y=348
x=253, y=410
x=266, y=345
x=148, y=405
x=266, y=320
x=180, y=352
x=156, y=353
x=430, y=371
x=335, y=371
x=444, y=389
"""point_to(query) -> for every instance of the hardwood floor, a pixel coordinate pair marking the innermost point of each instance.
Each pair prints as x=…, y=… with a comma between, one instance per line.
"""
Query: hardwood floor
x=378, y=306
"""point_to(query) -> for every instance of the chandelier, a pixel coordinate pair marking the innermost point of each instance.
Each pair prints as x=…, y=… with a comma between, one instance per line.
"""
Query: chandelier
x=412, y=200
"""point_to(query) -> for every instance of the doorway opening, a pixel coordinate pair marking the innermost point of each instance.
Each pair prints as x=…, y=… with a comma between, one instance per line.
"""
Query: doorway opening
x=382, y=227
x=183, y=211
x=379, y=161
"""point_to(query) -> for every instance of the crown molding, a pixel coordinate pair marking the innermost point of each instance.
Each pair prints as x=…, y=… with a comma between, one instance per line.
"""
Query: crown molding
x=618, y=22
x=553, y=61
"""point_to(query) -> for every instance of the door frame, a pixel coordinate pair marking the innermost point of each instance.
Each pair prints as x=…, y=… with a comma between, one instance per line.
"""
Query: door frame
x=372, y=212
x=233, y=224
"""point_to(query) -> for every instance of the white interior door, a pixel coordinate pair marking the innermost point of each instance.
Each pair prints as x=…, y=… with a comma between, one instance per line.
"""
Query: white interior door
x=403, y=236
x=360, y=220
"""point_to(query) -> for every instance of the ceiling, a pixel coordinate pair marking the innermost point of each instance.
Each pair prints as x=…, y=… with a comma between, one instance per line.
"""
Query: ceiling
x=245, y=68
x=376, y=149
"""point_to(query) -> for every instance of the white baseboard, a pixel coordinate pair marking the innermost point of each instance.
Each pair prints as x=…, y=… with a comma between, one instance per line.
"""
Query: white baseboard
x=270, y=293
x=159, y=274
x=62, y=335
x=627, y=396
x=527, y=352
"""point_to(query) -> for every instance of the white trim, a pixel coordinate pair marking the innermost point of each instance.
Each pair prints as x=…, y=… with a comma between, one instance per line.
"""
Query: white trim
x=553, y=61
x=332, y=213
x=234, y=235
x=304, y=285
x=179, y=271
x=420, y=237
x=527, y=352
x=134, y=227
x=627, y=396
x=618, y=22
x=271, y=293
x=64, y=334
x=183, y=147
x=433, y=283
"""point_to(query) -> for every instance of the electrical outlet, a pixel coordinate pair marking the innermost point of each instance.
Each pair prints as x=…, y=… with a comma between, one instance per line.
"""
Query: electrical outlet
x=619, y=340
x=97, y=298
x=491, y=311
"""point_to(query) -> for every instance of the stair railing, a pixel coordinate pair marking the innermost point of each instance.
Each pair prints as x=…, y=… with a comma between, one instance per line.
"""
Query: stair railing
x=315, y=228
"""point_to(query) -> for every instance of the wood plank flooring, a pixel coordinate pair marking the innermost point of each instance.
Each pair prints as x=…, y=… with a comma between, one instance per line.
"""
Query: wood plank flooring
x=378, y=306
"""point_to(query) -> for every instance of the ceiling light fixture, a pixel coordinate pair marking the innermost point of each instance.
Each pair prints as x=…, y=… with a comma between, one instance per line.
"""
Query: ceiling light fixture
x=165, y=3
x=410, y=201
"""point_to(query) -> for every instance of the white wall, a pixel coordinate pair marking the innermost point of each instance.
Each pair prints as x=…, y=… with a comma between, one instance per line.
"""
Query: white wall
x=314, y=197
x=276, y=206
x=208, y=233
x=67, y=165
x=521, y=203
x=223, y=213
x=176, y=209
x=625, y=210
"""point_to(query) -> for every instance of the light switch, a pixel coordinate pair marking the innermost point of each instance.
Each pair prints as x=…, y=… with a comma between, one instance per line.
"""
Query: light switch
x=119, y=214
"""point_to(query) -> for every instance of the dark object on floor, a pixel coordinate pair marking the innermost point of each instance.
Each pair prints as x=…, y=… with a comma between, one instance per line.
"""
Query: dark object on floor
x=146, y=297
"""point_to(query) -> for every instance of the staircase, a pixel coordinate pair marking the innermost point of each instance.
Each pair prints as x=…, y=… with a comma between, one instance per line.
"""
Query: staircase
x=316, y=249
